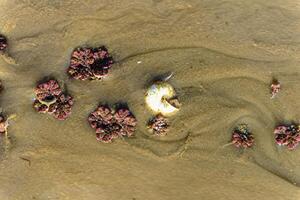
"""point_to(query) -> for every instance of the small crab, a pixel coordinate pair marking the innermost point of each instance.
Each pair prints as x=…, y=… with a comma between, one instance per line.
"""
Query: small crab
x=110, y=123
x=287, y=135
x=275, y=88
x=159, y=125
x=90, y=63
x=3, y=43
x=51, y=99
x=242, y=137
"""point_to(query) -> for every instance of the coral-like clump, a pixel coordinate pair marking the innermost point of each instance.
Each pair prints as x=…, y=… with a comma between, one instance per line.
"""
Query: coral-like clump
x=3, y=43
x=287, y=135
x=110, y=123
x=159, y=125
x=51, y=99
x=90, y=63
x=275, y=88
x=242, y=137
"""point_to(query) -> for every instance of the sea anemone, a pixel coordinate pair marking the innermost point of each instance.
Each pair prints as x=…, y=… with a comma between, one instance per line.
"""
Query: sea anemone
x=90, y=63
x=287, y=135
x=161, y=98
x=242, y=137
x=51, y=99
x=112, y=123
x=62, y=108
x=159, y=125
x=47, y=92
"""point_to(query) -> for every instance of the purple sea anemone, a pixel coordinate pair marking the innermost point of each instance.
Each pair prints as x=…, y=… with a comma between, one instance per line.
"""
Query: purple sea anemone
x=110, y=123
x=47, y=91
x=287, y=135
x=242, y=137
x=90, y=63
x=50, y=99
x=62, y=108
x=159, y=125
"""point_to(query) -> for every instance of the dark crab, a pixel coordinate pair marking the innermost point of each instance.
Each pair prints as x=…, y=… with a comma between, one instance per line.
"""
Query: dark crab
x=287, y=135
x=3, y=43
x=242, y=137
x=50, y=99
x=159, y=125
x=110, y=123
x=90, y=63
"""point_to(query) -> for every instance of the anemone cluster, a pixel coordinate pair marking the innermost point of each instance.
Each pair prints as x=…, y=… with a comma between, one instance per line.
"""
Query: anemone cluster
x=110, y=123
x=49, y=98
x=90, y=63
x=159, y=125
x=242, y=137
x=287, y=135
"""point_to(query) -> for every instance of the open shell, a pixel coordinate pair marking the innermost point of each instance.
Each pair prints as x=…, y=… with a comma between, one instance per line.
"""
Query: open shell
x=158, y=98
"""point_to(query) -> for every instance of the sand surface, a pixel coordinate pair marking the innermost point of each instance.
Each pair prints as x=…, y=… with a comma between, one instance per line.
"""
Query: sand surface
x=223, y=54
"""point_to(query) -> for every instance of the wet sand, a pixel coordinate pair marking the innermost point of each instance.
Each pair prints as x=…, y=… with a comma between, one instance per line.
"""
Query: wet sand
x=223, y=54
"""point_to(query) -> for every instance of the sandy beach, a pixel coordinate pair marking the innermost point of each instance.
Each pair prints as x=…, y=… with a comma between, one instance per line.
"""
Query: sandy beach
x=224, y=55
